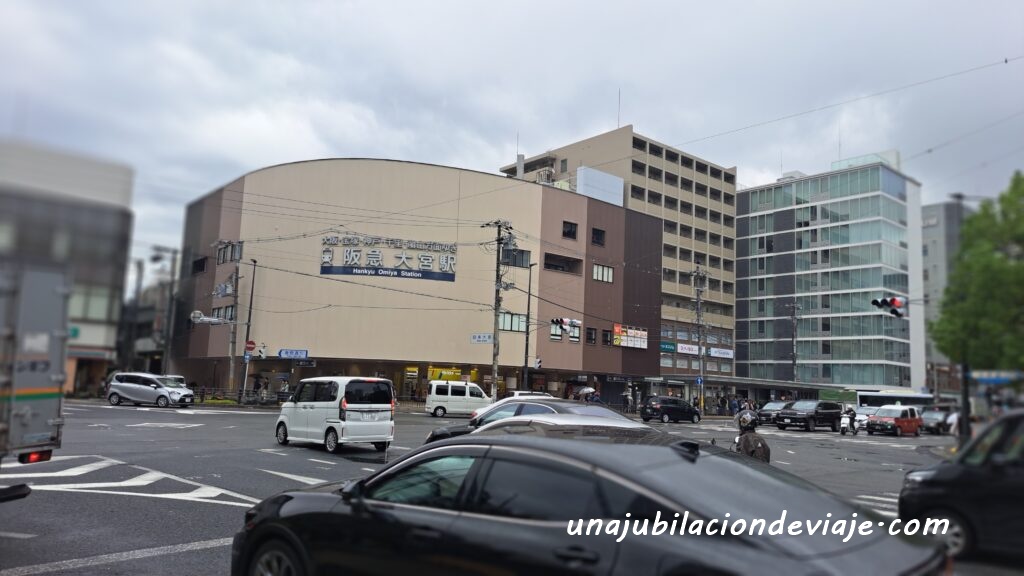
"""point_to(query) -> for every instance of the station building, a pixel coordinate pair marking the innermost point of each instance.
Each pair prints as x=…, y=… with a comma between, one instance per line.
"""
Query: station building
x=365, y=267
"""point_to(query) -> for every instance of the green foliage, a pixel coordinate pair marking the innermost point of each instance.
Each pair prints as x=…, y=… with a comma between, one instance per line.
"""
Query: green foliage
x=982, y=316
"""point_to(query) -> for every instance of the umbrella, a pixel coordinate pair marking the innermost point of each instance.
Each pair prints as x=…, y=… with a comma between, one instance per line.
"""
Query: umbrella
x=585, y=390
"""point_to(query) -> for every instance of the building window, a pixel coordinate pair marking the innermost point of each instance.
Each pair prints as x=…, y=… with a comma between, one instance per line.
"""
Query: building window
x=229, y=313
x=563, y=165
x=597, y=236
x=924, y=249
x=236, y=252
x=199, y=265
x=591, y=335
x=229, y=252
x=514, y=257
x=574, y=334
x=606, y=337
x=925, y=274
x=603, y=273
x=556, y=332
x=569, y=230
x=512, y=322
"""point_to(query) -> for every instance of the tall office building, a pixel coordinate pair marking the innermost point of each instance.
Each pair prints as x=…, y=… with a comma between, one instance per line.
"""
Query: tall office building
x=696, y=202
x=940, y=244
x=812, y=252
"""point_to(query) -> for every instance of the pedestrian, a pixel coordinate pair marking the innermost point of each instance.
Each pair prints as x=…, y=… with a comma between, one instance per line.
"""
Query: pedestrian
x=734, y=406
x=202, y=394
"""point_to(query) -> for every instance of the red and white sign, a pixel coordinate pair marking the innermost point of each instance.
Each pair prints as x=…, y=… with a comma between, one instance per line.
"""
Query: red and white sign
x=250, y=346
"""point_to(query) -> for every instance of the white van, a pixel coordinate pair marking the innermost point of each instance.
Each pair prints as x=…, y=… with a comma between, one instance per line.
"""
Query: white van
x=454, y=397
x=339, y=410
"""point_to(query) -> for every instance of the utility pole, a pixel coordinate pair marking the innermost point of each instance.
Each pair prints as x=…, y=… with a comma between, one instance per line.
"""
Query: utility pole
x=248, y=325
x=794, y=309
x=504, y=232
x=134, y=332
x=160, y=253
x=700, y=279
x=965, y=372
x=526, y=348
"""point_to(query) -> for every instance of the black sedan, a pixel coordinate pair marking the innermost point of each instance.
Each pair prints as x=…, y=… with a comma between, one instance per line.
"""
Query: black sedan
x=517, y=504
x=934, y=421
x=978, y=491
x=767, y=413
x=523, y=406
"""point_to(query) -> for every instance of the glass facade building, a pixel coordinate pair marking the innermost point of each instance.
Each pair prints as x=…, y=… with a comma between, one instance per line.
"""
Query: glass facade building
x=812, y=252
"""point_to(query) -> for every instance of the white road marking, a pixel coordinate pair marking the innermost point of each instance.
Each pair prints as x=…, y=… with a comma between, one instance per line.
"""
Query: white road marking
x=76, y=471
x=70, y=409
x=142, y=480
x=274, y=451
x=228, y=427
x=295, y=477
x=112, y=558
x=16, y=535
x=369, y=469
x=99, y=426
x=400, y=448
x=143, y=409
x=53, y=459
x=886, y=513
x=781, y=462
x=893, y=494
x=177, y=425
x=790, y=451
x=885, y=499
x=321, y=461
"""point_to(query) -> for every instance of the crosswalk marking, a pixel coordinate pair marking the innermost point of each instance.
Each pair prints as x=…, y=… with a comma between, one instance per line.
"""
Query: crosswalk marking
x=295, y=477
x=886, y=505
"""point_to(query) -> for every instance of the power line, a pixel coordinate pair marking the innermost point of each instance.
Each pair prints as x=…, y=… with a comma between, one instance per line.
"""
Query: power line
x=964, y=135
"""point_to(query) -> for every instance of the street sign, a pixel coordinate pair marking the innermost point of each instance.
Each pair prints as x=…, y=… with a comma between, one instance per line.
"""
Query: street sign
x=668, y=347
x=481, y=338
x=293, y=354
x=305, y=363
x=250, y=346
x=700, y=380
x=246, y=356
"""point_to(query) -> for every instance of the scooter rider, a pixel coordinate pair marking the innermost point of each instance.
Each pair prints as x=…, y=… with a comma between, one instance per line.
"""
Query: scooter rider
x=750, y=442
x=852, y=415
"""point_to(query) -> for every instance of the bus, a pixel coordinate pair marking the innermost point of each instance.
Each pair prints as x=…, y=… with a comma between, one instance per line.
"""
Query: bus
x=899, y=396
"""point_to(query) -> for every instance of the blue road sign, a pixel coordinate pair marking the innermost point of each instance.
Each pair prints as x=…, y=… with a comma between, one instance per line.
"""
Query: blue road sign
x=700, y=380
x=293, y=354
x=246, y=356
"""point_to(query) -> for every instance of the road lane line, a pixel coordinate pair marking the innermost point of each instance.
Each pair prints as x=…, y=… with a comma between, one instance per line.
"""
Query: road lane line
x=273, y=451
x=790, y=451
x=112, y=558
x=781, y=462
x=76, y=471
x=879, y=498
x=321, y=461
x=295, y=477
x=369, y=469
x=16, y=535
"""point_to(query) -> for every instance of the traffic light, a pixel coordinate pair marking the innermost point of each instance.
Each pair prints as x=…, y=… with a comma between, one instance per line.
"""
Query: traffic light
x=261, y=352
x=893, y=305
x=536, y=364
x=566, y=323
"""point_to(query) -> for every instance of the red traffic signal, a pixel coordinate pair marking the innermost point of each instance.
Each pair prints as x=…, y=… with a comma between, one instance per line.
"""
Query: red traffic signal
x=893, y=305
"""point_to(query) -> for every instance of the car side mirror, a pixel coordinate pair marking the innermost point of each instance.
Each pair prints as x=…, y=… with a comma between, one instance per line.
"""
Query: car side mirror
x=153, y=386
x=291, y=398
x=474, y=422
x=352, y=491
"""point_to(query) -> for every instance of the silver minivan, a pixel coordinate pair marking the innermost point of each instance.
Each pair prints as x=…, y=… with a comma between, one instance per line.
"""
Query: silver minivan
x=337, y=410
x=144, y=388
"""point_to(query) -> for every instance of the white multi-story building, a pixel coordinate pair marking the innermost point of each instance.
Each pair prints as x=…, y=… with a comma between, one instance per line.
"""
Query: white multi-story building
x=812, y=253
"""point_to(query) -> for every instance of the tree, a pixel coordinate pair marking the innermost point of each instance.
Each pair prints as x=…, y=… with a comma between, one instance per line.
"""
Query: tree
x=982, y=316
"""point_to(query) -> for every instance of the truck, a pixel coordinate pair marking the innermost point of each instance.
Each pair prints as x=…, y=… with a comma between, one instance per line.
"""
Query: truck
x=33, y=349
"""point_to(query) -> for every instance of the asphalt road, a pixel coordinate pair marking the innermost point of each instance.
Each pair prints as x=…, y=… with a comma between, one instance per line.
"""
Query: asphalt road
x=150, y=491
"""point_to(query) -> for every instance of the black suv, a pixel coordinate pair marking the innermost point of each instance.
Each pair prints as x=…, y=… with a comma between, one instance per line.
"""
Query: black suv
x=809, y=414
x=767, y=413
x=669, y=409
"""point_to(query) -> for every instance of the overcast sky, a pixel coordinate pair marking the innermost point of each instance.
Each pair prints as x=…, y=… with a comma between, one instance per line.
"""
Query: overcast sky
x=195, y=93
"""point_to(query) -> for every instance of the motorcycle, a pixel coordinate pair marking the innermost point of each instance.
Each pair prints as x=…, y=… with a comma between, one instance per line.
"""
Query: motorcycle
x=847, y=423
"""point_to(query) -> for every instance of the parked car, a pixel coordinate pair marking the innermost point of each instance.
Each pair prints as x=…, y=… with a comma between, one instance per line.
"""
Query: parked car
x=895, y=419
x=524, y=406
x=337, y=410
x=144, y=388
x=934, y=421
x=501, y=503
x=767, y=413
x=809, y=414
x=978, y=491
x=863, y=413
x=668, y=409
x=454, y=397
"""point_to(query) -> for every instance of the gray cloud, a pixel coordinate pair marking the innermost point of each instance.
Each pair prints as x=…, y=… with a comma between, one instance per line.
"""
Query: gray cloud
x=194, y=94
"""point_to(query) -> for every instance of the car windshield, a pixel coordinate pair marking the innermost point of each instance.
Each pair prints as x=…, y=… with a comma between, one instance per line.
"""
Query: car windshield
x=888, y=413
x=867, y=410
x=774, y=406
x=805, y=405
x=170, y=383
x=596, y=411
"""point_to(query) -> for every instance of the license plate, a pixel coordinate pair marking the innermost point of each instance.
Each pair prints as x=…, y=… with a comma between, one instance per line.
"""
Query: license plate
x=786, y=420
x=369, y=416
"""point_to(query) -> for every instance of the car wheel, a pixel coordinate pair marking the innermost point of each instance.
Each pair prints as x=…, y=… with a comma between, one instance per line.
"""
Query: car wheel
x=439, y=411
x=162, y=402
x=871, y=432
x=665, y=419
x=275, y=558
x=331, y=441
x=381, y=446
x=781, y=427
x=115, y=399
x=136, y=404
x=646, y=419
x=811, y=424
x=282, y=434
x=695, y=419
x=899, y=431
x=959, y=537
x=917, y=432
x=835, y=425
